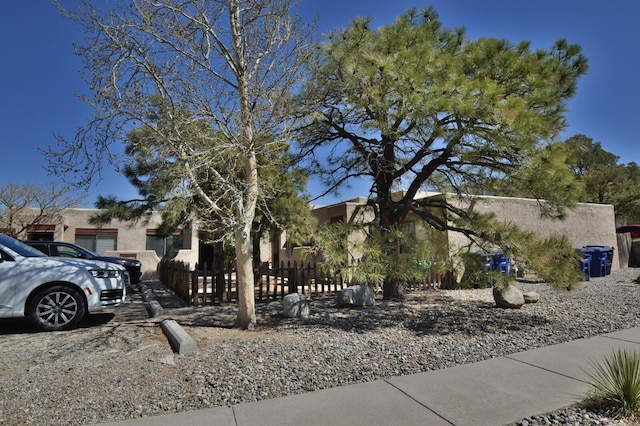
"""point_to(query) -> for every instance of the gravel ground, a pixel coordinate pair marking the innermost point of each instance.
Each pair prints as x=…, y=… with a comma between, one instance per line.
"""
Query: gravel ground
x=118, y=365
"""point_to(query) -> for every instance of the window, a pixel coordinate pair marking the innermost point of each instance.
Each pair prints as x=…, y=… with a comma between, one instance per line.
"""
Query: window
x=40, y=232
x=164, y=245
x=97, y=240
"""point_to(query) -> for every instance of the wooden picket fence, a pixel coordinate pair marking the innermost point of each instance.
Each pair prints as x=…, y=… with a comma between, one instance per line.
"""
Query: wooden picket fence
x=205, y=286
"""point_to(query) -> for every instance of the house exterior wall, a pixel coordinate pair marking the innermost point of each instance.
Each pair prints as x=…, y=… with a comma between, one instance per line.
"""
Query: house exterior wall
x=344, y=212
x=131, y=238
x=283, y=251
x=586, y=224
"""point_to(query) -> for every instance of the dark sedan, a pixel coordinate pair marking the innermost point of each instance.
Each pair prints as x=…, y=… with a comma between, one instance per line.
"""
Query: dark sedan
x=62, y=249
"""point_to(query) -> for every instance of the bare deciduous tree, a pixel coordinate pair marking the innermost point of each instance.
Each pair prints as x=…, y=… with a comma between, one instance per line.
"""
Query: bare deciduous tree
x=229, y=63
x=27, y=205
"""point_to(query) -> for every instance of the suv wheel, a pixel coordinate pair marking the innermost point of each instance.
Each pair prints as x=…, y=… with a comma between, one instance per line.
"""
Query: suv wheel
x=57, y=308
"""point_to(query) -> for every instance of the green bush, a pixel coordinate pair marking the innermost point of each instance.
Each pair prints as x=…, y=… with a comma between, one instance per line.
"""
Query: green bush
x=615, y=382
x=476, y=274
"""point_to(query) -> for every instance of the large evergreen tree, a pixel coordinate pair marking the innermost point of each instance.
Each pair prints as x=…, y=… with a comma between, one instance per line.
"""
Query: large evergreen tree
x=414, y=105
x=605, y=179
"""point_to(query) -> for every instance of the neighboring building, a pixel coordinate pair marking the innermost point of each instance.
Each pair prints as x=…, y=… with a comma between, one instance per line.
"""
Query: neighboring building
x=586, y=224
x=138, y=240
x=134, y=239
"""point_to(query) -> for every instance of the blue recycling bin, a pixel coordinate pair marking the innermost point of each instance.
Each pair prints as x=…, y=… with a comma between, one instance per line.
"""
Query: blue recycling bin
x=501, y=263
x=497, y=261
x=489, y=262
x=584, y=264
x=600, y=260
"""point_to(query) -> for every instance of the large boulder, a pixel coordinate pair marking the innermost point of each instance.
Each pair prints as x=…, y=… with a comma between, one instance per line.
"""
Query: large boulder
x=295, y=305
x=508, y=297
x=356, y=295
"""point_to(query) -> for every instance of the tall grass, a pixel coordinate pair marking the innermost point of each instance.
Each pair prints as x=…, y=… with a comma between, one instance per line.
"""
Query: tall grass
x=615, y=382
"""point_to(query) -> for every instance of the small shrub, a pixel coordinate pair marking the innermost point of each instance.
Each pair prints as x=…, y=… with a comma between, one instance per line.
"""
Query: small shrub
x=555, y=262
x=615, y=382
x=477, y=274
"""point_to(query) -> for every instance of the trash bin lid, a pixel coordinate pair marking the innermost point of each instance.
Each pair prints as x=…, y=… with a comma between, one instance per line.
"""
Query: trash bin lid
x=599, y=248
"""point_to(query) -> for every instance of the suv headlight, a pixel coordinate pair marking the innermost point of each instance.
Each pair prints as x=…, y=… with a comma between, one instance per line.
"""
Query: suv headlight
x=105, y=273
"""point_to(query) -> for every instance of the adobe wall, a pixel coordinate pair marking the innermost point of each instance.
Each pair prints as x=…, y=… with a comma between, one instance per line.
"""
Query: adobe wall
x=586, y=224
x=353, y=209
x=130, y=238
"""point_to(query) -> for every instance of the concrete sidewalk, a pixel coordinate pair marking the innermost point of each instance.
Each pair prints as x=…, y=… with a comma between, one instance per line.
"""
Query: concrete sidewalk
x=498, y=391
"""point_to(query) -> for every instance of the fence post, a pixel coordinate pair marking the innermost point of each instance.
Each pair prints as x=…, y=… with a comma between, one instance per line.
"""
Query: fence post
x=292, y=275
x=195, y=287
x=204, y=284
x=229, y=278
x=269, y=271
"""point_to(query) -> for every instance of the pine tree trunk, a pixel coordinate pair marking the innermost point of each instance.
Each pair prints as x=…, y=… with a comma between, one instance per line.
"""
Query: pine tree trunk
x=392, y=289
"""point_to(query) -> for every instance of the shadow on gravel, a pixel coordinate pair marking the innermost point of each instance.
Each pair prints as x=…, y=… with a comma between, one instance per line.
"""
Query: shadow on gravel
x=16, y=326
x=9, y=326
x=437, y=316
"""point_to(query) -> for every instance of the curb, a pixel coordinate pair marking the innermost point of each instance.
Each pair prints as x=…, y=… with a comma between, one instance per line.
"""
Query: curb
x=179, y=340
x=153, y=307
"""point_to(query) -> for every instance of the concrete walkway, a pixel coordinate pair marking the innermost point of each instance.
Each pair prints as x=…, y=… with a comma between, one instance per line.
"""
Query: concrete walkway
x=498, y=391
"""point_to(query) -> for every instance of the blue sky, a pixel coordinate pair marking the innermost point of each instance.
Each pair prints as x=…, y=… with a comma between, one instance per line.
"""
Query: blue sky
x=40, y=74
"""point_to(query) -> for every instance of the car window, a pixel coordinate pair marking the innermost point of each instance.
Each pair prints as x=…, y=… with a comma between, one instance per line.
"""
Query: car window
x=42, y=247
x=19, y=247
x=88, y=254
x=64, y=251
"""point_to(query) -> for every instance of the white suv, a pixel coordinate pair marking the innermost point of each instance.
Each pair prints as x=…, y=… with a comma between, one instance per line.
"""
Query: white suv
x=55, y=293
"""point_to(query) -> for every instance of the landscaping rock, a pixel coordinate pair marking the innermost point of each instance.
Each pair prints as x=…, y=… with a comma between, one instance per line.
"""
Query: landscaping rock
x=295, y=305
x=508, y=297
x=357, y=295
x=531, y=297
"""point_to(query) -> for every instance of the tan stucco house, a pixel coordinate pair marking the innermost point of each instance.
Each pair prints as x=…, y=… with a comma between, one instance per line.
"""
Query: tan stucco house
x=127, y=239
x=585, y=225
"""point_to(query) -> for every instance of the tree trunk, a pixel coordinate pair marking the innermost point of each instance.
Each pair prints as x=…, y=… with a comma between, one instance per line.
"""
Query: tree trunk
x=392, y=289
x=246, y=318
x=244, y=248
